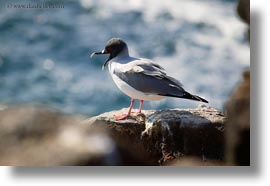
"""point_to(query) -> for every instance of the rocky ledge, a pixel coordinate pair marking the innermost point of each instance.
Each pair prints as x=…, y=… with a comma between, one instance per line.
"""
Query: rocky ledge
x=44, y=137
x=168, y=135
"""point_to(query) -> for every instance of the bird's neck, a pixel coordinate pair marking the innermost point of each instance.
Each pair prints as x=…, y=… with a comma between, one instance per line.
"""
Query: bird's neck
x=122, y=58
x=123, y=53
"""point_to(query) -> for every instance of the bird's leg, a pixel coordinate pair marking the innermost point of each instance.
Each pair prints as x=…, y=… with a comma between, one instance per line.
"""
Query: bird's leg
x=124, y=116
x=131, y=106
x=141, y=104
x=140, y=108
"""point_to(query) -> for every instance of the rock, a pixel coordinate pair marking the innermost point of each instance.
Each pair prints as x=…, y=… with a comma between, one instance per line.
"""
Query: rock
x=185, y=132
x=170, y=134
x=127, y=134
x=238, y=124
x=194, y=161
x=238, y=110
x=32, y=136
x=243, y=10
x=35, y=136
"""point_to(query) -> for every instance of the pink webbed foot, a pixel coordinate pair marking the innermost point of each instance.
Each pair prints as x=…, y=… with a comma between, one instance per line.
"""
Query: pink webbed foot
x=121, y=117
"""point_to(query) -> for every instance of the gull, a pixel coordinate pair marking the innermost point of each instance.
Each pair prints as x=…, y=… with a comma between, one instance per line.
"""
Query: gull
x=139, y=78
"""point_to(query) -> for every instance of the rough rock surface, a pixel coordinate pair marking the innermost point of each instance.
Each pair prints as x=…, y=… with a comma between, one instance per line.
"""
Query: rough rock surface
x=243, y=10
x=37, y=136
x=193, y=161
x=238, y=110
x=34, y=136
x=238, y=124
x=170, y=134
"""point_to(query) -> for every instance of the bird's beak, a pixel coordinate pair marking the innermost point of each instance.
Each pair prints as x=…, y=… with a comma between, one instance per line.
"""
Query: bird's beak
x=100, y=53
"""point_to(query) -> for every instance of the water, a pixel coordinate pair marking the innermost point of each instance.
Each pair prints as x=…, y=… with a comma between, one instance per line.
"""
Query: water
x=44, y=53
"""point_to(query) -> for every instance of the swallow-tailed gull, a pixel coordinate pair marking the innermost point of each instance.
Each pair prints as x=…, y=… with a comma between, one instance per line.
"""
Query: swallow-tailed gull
x=140, y=78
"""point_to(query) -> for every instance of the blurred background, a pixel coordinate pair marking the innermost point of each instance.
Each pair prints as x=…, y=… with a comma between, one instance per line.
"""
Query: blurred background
x=45, y=52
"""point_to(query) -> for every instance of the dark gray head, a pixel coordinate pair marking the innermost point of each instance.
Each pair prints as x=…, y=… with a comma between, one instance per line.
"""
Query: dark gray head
x=113, y=47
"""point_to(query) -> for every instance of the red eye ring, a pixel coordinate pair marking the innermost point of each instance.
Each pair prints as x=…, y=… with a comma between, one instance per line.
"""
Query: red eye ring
x=109, y=49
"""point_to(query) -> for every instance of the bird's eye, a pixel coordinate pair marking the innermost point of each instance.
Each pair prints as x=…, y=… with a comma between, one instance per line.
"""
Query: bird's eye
x=109, y=49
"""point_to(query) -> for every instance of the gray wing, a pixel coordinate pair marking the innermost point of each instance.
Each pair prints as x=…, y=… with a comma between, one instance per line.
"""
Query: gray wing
x=150, y=78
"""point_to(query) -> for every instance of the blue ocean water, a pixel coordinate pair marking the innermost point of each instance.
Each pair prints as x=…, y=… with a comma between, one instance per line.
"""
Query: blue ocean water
x=45, y=52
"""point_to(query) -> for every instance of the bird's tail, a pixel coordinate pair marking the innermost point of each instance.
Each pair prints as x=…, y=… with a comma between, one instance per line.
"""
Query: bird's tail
x=194, y=97
x=187, y=95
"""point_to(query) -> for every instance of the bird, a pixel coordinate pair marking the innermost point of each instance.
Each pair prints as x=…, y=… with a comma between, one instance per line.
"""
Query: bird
x=140, y=78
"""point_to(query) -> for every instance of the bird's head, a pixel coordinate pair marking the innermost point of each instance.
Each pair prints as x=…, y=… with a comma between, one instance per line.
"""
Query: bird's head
x=113, y=47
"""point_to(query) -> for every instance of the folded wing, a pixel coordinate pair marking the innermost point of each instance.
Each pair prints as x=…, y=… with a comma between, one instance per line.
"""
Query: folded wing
x=150, y=78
